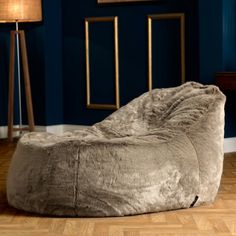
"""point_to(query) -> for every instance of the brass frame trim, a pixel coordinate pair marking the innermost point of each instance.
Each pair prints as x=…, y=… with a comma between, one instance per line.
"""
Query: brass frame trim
x=113, y=19
x=168, y=16
x=120, y=1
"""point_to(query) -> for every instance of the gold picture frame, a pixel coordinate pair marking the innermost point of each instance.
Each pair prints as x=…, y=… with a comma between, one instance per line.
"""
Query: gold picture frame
x=121, y=1
x=89, y=20
x=168, y=16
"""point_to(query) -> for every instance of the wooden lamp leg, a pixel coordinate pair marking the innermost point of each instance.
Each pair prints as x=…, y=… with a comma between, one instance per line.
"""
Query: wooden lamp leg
x=26, y=83
x=11, y=87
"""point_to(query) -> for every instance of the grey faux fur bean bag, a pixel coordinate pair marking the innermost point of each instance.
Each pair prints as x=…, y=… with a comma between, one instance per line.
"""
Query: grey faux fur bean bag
x=162, y=151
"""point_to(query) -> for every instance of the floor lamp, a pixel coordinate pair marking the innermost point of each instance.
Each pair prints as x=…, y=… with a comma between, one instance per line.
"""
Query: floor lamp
x=16, y=11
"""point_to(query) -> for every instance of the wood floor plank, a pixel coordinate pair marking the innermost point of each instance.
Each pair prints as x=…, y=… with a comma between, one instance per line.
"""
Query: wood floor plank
x=217, y=219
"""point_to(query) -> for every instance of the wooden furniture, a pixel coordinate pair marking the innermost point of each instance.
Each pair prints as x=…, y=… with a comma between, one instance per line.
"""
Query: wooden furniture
x=226, y=81
x=28, y=97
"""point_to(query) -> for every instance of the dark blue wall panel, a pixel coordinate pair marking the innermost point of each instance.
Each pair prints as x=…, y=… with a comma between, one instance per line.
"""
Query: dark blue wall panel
x=4, y=63
x=102, y=61
x=210, y=39
x=229, y=35
x=217, y=38
x=166, y=53
x=35, y=46
x=229, y=61
x=53, y=62
x=133, y=53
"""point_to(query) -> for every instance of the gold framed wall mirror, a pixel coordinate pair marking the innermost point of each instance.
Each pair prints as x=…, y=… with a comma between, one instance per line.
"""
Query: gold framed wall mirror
x=88, y=21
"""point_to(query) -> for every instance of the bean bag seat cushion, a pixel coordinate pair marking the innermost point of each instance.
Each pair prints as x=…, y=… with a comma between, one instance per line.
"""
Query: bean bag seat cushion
x=162, y=151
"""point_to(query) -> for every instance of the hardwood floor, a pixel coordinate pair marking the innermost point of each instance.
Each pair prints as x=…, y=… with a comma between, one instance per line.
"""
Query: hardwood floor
x=215, y=219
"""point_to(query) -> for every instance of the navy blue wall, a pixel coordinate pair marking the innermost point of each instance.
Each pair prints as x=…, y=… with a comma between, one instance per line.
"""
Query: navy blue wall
x=210, y=39
x=53, y=62
x=4, y=49
x=229, y=60
x=229, y=35
x=57, y=55
x=132, y=51
x=217, y=40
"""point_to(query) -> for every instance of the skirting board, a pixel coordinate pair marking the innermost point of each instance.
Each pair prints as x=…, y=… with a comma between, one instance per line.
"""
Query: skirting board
x=229, y=143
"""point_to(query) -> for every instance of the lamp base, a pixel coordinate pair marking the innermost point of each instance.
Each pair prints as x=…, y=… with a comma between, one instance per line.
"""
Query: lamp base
x=31, y=126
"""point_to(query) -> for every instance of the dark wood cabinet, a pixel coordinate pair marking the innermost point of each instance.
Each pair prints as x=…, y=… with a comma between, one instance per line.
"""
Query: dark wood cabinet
x=226, y=80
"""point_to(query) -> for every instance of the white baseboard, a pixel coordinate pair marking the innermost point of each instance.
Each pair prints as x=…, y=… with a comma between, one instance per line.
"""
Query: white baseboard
x=55, y=129
x=59, y=129
x=3, y=131
x=229, y=143
x=74, y=127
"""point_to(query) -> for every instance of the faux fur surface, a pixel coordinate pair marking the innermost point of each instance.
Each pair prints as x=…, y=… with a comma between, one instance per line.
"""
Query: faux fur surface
x=162, y=151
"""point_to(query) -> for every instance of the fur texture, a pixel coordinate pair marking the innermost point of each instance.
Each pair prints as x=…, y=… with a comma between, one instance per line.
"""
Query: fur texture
x=157, y=153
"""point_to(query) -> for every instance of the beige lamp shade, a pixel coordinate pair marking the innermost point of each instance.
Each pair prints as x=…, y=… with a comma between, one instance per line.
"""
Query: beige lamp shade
x=20, y=10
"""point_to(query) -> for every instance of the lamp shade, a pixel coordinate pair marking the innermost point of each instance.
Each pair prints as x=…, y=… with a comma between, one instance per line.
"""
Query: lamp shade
x=20, y=10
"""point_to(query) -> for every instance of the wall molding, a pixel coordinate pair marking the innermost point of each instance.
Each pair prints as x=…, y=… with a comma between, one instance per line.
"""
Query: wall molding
x=89, y=20
x=229, y=143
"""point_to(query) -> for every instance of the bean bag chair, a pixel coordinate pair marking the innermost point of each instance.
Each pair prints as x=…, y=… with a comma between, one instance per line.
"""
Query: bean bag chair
x=162, y=151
